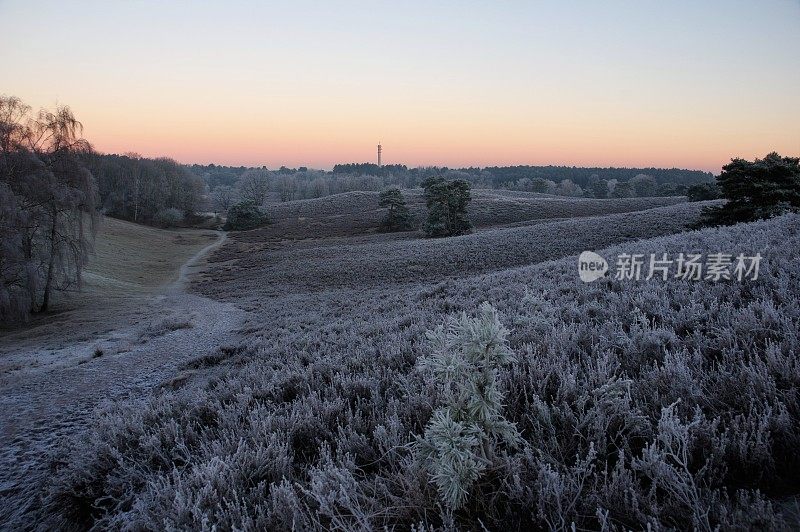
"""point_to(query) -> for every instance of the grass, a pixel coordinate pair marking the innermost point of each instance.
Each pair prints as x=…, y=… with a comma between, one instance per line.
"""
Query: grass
x=130, y=263
x=140, y=258
x=163, y=326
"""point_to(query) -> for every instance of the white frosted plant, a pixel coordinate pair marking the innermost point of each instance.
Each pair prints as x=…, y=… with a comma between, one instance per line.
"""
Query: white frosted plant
x=466, y=360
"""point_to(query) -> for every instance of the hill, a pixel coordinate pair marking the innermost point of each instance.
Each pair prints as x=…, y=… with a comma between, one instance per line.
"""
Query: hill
x=251, y=269
x=130, y=264
x=353, y=213
x=627, y=396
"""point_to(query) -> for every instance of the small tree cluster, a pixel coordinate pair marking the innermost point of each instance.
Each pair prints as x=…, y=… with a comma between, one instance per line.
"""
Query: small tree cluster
x=447, y=207
x=223, y=197
x=461, y=439
x=168, y=217
x=244, y=216
x=756, y=190
x=47, y=206
x=703, y=192
x=397, y=216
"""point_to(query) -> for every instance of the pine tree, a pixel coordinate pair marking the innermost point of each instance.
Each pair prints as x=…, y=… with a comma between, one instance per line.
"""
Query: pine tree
x=461, y=438
x=397, y=218
x=755, y=190
x=447, y=207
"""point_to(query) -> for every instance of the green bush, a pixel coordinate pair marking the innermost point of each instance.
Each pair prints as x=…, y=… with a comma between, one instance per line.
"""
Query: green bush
x=703, y=192
x=244, y=216
x=461, y=438
x=168, y=217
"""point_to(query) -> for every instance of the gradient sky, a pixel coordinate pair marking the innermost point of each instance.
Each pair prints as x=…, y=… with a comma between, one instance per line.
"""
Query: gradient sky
x=615, y=83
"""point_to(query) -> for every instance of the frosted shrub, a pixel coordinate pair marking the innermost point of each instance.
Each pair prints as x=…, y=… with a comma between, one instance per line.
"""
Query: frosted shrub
x=168, y=217
x=467, y=358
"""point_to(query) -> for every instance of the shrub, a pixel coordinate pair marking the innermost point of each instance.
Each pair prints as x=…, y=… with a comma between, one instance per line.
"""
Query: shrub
x=244, y=216
x=168, y=217
x=703, y=192
x=461, y=438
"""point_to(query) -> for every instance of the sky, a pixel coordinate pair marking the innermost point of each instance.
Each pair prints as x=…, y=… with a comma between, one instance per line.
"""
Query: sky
x=686, y=84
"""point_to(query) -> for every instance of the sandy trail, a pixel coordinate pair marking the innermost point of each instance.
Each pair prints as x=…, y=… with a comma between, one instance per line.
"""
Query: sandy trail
x=41, y=406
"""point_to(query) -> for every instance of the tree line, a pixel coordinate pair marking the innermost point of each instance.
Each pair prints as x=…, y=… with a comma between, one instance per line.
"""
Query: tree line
x=151, y=191
x=293, y=184
x=53, y=185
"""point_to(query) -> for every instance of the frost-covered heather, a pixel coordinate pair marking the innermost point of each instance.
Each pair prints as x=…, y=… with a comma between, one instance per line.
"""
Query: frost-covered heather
x=651, y=404
x=334, y=263
x=358, y=212
x=162, y=326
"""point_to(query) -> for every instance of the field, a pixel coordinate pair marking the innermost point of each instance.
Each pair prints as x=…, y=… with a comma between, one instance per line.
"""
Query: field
x=126, y=332
x=355, y=213
x=131, y=263
x=312, y=264
x=627, y=395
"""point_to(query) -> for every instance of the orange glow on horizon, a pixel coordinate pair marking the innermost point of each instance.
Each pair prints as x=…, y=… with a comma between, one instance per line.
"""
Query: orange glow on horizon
x=687, y=84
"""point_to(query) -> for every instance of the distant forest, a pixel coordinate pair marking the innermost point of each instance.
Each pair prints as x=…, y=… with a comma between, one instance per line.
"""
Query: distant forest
x=501, y=176
x=164, y=192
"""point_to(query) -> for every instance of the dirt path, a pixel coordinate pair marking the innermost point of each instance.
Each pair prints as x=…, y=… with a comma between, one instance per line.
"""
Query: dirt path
x=41, y=406
x=194, y=265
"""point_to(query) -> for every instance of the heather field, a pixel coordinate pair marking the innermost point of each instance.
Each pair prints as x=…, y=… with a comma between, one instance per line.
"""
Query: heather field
x=626, y=397
x=312, y=264
x=354, y=213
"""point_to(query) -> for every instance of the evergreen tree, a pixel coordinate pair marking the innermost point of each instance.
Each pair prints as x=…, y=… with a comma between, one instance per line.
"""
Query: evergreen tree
x=703, y=192
x=447, y=206
x=643, y=185
x=245, y=215
x=397, y=218
x=622, y=190
x=755, y=190
x=599, y=188
x=462, y=437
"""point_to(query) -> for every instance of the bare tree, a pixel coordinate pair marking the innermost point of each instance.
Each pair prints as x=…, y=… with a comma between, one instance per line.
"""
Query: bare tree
x=223, y=197
x=287, y=187
x=47, y=205
x=254, y=185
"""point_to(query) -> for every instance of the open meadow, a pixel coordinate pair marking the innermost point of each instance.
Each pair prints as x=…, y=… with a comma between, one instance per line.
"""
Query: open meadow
x=130, y=264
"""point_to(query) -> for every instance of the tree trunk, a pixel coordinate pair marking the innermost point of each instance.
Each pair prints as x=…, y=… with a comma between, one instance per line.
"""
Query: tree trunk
x=136, y=199
x=28, y=259
x=51, y=264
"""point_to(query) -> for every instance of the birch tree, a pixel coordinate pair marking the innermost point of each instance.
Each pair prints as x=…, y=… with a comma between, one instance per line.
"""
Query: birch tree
x=47, y=205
